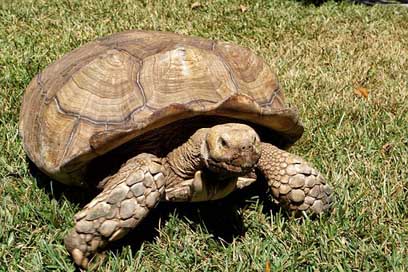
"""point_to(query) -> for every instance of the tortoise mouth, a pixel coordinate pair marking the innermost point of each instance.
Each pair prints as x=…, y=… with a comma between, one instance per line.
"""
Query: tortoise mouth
x=227, y=168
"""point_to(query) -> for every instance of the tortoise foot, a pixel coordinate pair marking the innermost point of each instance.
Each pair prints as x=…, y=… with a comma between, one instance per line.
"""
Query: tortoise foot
x=82, y=246
x=294, y=183
x=127, y=198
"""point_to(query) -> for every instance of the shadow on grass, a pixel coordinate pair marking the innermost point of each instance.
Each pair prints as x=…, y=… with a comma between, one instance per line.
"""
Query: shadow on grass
x=220, y=218
x=56, y=190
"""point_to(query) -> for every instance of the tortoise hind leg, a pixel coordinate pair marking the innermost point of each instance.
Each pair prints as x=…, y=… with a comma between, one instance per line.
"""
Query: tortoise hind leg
x=294, y=183
x=125, y=200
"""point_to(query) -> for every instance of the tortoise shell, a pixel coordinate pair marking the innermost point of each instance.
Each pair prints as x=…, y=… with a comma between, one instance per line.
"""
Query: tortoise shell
x=116, y=89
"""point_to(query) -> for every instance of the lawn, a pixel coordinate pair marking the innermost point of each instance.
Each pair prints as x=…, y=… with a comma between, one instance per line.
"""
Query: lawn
x=344, y=66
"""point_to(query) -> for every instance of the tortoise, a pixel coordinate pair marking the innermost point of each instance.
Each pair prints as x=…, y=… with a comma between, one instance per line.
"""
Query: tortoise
x=145, y=117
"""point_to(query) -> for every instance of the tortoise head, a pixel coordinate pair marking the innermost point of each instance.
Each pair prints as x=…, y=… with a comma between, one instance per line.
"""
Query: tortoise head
x=231, y=149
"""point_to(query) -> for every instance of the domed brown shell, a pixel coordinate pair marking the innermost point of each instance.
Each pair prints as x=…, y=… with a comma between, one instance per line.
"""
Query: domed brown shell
x=111, y=90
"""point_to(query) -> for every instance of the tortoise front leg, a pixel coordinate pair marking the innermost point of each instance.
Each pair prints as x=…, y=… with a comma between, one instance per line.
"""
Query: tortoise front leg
x=125, y=200
x=293, y=182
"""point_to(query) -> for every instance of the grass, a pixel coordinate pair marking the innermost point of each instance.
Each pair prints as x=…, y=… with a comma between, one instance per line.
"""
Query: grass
x=321, y=55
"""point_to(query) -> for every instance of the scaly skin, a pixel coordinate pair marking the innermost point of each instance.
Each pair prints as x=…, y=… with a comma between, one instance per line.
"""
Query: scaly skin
x=210, y=165
x=127, y=198
x=293, y=182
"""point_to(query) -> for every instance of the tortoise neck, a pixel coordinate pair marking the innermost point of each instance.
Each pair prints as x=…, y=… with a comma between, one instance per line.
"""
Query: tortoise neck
x=186, y=159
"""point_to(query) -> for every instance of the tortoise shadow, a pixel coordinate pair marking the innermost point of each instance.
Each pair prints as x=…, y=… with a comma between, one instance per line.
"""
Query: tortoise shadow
x=220, y=218
x=58, y=191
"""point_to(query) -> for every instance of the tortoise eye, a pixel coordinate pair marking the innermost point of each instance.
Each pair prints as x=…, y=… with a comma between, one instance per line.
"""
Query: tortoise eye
x=223, y=142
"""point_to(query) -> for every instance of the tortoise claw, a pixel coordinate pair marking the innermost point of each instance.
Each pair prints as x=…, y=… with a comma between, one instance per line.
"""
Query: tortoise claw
x=79, y=258
x=74, y=243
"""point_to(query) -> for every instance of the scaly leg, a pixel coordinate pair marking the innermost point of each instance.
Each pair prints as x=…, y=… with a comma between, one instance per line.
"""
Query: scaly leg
x=125, y=200
x=294, y=183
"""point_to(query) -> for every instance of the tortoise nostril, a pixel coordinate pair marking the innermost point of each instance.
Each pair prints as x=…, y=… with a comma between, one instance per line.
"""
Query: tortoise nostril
x=246, y=147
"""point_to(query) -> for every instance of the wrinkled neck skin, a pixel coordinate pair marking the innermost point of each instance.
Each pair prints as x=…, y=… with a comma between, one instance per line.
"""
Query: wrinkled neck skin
x=189, y=168
x=186, y=160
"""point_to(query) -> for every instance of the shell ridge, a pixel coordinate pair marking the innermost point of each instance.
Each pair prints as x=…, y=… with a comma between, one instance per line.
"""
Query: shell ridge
x=228, y=68
x=139, y=84
x=41, y=84
x=128, y=116
x=70, y=140
x=273, y=96
x=90, y=119
x=213, y=45
x=83, y=88
x=93, y=121
x=120, y=49
x=40, y=134
x=72, y=69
